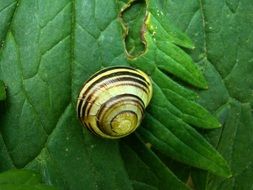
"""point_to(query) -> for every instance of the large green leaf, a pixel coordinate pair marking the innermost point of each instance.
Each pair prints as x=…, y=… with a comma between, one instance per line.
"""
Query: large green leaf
x=145, y=169
x=44, y=62
x=171, y=110
x=51, y=47
x=222, y=34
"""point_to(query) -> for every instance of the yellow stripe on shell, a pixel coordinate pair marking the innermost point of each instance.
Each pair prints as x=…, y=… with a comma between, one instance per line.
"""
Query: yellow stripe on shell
x=116, y=70
x=102, y=88
x=103, y=95
x=110, y=115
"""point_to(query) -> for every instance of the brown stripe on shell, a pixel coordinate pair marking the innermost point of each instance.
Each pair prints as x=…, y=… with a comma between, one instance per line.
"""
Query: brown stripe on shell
x=134, y=99
x=110, y=69
x=117, y=102
x=90, y=128
x=100, y=121
x=121, y=98
x=115, y=75
x=79, y=106
x=88, y=100
x=88, y=108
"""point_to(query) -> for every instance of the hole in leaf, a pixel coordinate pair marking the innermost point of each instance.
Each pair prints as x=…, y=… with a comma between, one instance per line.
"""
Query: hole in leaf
x=134, y=17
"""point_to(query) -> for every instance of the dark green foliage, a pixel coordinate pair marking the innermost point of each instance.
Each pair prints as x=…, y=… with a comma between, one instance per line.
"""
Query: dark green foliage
x=49, y=48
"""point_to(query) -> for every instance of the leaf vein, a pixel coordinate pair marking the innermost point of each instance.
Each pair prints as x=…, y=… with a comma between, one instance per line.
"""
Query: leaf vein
x=8, y=151
x=7, y=6
x=52, y=19
x=50, y=134
x=23, y=86
x=9, y=27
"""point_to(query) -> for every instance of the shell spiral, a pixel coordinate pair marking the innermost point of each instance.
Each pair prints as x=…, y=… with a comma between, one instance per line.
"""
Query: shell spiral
x=112, y=102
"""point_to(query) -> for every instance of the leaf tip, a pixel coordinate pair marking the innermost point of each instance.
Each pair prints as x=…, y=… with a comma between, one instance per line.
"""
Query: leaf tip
x=203, y=84
x=228, y=173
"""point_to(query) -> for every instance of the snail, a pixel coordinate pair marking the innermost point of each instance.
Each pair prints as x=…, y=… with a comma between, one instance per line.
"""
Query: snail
x=112, y=102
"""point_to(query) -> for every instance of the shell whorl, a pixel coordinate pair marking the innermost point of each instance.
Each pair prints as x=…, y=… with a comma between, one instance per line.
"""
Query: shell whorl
x=112, y=102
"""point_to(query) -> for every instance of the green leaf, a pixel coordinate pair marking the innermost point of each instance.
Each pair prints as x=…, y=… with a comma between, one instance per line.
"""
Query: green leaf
x=2, y=91
x=22, y=180
x=222, y=34
x=182, y=143
x=150, y=172
x=170, y=113
x=49, y=48
x=166, y=54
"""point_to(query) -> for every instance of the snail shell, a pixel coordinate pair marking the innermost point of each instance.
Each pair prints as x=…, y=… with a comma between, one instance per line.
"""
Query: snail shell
x=112, y=102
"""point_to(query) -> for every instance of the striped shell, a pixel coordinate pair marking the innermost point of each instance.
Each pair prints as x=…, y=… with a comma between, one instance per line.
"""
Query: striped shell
x=112, y=102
